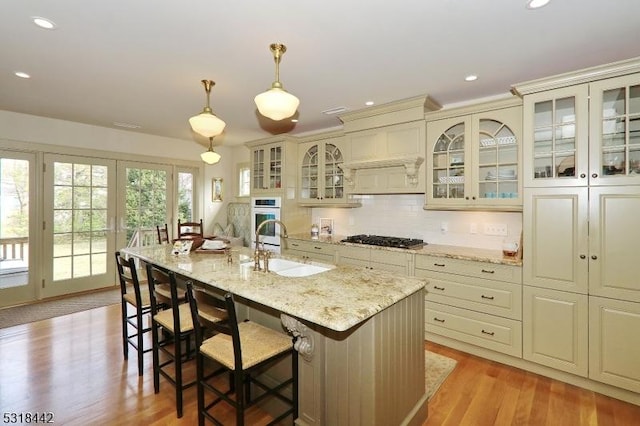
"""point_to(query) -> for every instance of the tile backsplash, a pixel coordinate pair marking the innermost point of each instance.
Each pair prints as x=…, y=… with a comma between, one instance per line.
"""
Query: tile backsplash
x=403, y=216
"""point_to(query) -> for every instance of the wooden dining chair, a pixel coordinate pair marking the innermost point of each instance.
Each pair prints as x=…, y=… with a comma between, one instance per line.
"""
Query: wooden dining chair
x=163, y=234
x=136, y=308
x=171, y=330
x=241, y=349
x=190, y=229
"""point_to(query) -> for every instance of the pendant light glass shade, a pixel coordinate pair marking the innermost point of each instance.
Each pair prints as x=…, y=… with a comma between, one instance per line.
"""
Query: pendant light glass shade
x=206, y=123
x=276, y=103
x=210, y=156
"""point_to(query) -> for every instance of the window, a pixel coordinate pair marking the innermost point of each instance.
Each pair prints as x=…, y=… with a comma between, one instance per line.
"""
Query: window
x=244, y=180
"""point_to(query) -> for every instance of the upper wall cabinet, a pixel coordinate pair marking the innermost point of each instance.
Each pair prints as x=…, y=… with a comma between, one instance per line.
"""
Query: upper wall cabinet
x=321, y=180
x=583, y=128
x=273, y=166
x=474, y=158
x=385, y=147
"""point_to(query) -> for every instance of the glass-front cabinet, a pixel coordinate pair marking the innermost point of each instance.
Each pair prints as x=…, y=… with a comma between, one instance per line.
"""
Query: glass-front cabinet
x=266, y=168
x=583, y=134
x=615, y=129
x=321, y=178
x=475, y=161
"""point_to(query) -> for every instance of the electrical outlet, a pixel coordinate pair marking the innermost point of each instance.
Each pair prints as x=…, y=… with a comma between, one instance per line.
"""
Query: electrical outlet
x=473, y=228
x=495, y=229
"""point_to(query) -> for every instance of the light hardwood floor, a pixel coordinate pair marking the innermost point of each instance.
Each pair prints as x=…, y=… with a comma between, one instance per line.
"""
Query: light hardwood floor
x=72, y=366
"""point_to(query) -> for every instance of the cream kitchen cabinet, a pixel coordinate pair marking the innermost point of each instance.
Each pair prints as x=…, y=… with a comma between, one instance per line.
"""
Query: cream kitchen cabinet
x=614, y=345
x=273, y=166
x=556, y=329
x=321, y=180
x=582, y=134
x=314, y=250
x=614, y=242
x=375, y=258
x=473, y=302
x=474, y=159
x=556, y=238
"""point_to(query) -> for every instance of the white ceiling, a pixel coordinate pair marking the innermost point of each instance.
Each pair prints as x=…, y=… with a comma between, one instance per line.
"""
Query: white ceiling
x=141, y=62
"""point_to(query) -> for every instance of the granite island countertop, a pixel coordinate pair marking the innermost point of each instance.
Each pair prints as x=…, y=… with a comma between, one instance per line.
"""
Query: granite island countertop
x=439, y=250
x=338, y=299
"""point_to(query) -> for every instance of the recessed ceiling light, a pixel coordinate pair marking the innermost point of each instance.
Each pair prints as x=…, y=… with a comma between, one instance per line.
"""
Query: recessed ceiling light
x=536, y=4
x=43, y=23
x=369, y=103
x=294, y=120
x=22, y=74
x=471, y=77
x=126, y=125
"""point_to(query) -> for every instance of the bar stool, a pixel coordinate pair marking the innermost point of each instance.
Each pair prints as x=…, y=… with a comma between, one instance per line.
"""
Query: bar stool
x=240, y=349
x=174, y=340
x=138, y=298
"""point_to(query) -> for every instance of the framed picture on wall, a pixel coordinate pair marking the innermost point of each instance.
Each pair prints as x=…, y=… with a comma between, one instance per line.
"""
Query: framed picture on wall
x=216, y=193
x=326, y=226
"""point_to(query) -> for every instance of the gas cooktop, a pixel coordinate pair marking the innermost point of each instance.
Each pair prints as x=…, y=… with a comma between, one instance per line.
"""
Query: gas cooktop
x=378, y=240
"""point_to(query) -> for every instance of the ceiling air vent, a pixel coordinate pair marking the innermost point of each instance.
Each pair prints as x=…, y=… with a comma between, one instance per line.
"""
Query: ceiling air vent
x=333, y=111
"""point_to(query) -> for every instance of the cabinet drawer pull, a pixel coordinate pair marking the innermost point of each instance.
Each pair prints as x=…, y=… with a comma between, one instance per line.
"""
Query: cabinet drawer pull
x=439, y=320
x=490, y=333
x=442, y=265
x=487, y=297
x=435, y=287
x=295, y=245
x=487, y=271
x=317, y=248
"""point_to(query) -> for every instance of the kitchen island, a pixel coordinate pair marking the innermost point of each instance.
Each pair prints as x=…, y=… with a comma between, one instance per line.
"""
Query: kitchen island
x=360, y=333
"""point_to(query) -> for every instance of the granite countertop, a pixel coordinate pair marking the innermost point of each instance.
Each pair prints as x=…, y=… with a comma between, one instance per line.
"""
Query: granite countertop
x=338, y=299
x=452, y=252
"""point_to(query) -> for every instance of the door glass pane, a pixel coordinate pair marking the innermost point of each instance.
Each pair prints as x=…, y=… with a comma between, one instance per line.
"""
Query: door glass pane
x=146, y=201
x=185, y=197
x=621, y=131
x=449, y=163
x=14, y=223
x=75, y=215
x=497, y=160
x=333, y=187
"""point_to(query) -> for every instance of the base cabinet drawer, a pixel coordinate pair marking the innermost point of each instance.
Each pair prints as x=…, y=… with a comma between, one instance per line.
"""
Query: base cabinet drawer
x=321, y=252
x=488, y=331
x=614, y=342
x=485, y=270
x=491, y=297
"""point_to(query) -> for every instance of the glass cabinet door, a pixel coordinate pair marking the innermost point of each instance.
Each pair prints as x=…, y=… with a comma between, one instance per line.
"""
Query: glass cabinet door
x=333, y=175
x=275, y=167
x=309, y=174
x=258, y=169
x=615, y=131
x=497, y=160
x=556, y=126
x=449, y=163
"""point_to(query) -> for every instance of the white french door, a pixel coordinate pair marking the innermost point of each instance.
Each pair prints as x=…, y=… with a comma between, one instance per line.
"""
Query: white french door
x=145, y=200
x=79, y=224
x=17, y=227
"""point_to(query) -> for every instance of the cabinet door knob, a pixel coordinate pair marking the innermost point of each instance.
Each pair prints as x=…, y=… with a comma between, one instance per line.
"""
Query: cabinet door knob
x=582, y=256
x=594, y=257
x=595, y=175
x=473, y=198
x=583, y=175
x=466, y=198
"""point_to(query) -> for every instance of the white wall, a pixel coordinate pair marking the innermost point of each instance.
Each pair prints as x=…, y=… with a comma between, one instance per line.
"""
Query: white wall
x=403, y=216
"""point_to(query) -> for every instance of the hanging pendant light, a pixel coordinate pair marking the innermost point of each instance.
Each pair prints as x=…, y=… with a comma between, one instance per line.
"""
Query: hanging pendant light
x=206, y=123
x=276, y=103
x=210, y=156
